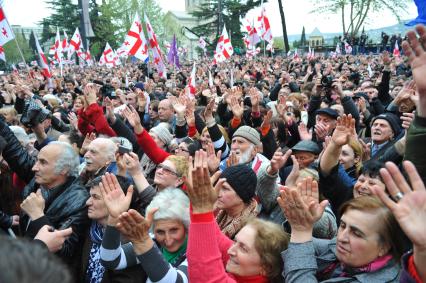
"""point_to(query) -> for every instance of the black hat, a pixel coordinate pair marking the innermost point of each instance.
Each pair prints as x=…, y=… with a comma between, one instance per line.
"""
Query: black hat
x=242, y=179
x=328, y=111
x=393, y=121
x=308, y=146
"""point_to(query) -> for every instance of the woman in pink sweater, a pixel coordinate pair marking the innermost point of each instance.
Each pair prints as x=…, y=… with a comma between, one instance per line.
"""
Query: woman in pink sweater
x=254, y=256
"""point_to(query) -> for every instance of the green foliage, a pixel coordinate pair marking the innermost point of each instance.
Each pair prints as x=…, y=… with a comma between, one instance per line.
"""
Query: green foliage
x=303, y=37
x=230, y=14
x=32, y=42
x=355, y=12
x=12, y=53
x=64, y=15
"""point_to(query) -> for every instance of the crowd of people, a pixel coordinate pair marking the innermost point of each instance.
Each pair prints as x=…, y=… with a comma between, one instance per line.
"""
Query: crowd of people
x=271, y=169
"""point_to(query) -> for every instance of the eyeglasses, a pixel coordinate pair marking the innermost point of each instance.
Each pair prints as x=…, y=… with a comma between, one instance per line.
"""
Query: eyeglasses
x=181, y=149
x=167, y=170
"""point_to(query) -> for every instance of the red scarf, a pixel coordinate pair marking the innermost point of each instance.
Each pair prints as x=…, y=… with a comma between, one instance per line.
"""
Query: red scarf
x=250, y=279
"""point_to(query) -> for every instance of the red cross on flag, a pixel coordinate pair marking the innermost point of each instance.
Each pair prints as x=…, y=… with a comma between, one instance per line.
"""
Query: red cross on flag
x=224, y=48
x=2, y=55
x=58, y=47
x=135, y=42
x=43, y=61
x=65, y=43
x=6, y=33
x=109, y=58
x=75, y=43
x=155, y=49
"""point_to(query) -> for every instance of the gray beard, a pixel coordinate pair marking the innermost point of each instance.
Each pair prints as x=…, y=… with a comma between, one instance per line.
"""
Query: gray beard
x=245, y=157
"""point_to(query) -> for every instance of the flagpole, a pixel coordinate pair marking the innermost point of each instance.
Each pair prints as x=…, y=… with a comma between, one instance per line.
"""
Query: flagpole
x=261, y=7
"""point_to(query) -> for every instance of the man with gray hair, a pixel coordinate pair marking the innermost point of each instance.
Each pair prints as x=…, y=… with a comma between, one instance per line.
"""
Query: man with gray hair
x=52, y=196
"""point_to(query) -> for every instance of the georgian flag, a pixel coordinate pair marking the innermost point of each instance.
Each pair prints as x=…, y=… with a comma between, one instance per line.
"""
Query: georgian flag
x=348, y=48
x=192, y=83
x=263, y=26
x=224, y=48
x=155, y=49
x=43, y=61
x=6, y=33
x=58, y=48
x=252, y=34
x=2, y=55
x=396, y=52
x=74, y=44
x=338, y=48
x=108, y=57
x=135, y=43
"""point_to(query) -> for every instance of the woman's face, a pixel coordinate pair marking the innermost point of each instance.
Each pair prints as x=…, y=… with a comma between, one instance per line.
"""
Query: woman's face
x=170, y=234
x=8, y=116
x=228, y=198
x=166, y=175
x=156, y=139
x=364, y=185
x=244, y=260
x=78, y=104
x=152, y=113
x=358, y=241
x=182, y=150
x=347, y=157
x=205, y=139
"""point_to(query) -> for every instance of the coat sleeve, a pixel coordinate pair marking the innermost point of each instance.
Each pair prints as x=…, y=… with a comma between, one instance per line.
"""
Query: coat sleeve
x=151, y=149
x=19, y=160
x=94, y=115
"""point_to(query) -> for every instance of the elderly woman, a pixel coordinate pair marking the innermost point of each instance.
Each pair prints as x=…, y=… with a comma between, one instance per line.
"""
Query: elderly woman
x=212, y=257
x=367, y=248
x=10, y=115
x=163, y=257
x=235, y=203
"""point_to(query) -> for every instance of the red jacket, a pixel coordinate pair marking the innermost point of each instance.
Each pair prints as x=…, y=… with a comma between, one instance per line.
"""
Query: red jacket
x=151, y=149
x=93, y=119
x=207, y=253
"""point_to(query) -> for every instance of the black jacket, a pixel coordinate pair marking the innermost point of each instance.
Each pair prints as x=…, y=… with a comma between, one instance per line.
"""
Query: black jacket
x=66, y=204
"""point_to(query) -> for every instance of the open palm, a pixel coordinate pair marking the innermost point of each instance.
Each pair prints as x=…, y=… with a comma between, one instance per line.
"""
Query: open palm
x=417, y=56
x=115, y=199
x=343, y=130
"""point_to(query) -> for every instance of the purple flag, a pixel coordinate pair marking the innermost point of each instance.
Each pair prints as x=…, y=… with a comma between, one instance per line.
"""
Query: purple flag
x=173, y=57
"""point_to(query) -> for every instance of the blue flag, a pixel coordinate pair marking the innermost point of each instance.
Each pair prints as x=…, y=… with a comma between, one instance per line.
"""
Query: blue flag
x=173, y=57
x=421, y=9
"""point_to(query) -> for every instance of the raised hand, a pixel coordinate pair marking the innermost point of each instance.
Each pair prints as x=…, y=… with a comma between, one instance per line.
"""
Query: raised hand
x=237, y=108
x=141, y=99
x=304, y=134
x=294, y=174
x=178, y=105
x=73, y=120
x=414, y=49
x=213, y=158
x=232, y=160
x=254, y=98
x=208, y=111
x=90, y=93
x=87, y=140
x=133, y=118
x=115, y=200
x=132, y=163
x=407, y=118
x=135, y=227
x=267, y=120
x=34, y=205
x=109, y=110
x=302, y=208
x=200, y=190
x=279, y=159
x=344, y=130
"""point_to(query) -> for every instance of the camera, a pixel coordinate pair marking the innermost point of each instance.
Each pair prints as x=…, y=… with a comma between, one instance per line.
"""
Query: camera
x=33, y=114
x=327, y=81
x=107, y=90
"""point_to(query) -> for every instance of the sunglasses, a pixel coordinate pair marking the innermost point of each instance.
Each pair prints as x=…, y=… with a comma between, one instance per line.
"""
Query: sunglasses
x=167, y=170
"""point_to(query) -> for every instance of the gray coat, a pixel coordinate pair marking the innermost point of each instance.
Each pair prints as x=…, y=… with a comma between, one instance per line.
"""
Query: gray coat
x=302, y=261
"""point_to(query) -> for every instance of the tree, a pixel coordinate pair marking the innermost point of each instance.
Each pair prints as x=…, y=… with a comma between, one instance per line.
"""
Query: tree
x=284, y=26
x=303, y=37
x=212, y=15
x=65, y=15
x=32, y=43
x=12, y=53
x=47, y=32
x=355, y=12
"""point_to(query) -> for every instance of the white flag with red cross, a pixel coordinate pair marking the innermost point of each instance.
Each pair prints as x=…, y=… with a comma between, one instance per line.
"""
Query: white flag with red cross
x=396, y=52
x=2, y=55
x=348, y=48
x=58, y=48
x=74, y=44
x=263, y=26
x=192, y=83
x=43, y=61
x=224, y=48
x=6, y=33
x=252, y=34
x=155, y=49
x=108, y=57
x=135, y=42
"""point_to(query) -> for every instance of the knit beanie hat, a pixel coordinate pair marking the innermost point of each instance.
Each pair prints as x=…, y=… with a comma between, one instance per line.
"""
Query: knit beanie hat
x=393, y=121
x=242, y=179
x=248, y=133
x=162, y=133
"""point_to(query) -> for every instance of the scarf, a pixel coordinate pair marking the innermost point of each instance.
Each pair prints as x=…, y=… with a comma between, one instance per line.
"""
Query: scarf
x=337, y=269
x=250, y=279
x=176, y=257
x=230, y=226
x=95, y=270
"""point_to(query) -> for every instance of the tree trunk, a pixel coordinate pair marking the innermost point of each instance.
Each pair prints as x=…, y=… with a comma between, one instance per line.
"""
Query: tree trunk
x=285, y=36
x=343, y=18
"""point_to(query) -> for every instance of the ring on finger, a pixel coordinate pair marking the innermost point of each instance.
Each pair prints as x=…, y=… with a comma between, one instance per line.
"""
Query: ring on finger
x=398, y=196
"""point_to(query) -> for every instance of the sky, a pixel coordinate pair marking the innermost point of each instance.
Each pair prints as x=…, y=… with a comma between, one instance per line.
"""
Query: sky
x=297, y=13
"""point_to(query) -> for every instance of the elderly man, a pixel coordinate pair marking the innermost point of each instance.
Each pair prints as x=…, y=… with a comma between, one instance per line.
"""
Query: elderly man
x=385, y=131
x=52, y=196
